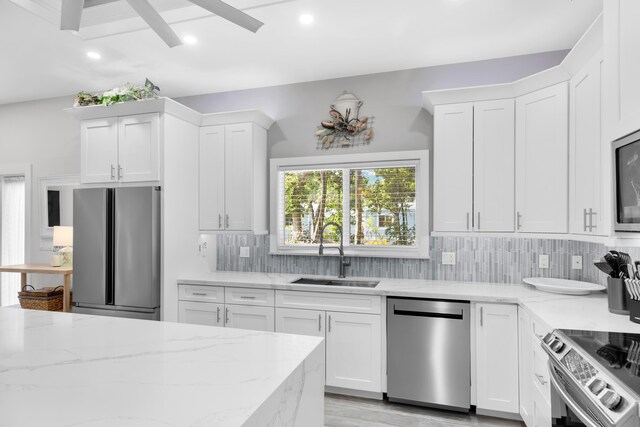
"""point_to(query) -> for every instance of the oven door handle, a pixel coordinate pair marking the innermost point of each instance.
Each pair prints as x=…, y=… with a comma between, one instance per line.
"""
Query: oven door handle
x=568, y=400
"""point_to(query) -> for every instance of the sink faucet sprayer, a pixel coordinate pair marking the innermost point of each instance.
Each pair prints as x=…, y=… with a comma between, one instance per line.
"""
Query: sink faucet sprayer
x=343, y=263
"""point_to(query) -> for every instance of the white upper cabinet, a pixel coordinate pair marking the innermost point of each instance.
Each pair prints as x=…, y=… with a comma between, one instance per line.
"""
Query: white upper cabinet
x=211, y=170
x=120, y=149
x=542, y=160
x=453, y=167
x=586, y=210
x=493, y=165
x=139, y=148
x=233, y=178
x=98, y=150
x=622, y=62
x=474, y=166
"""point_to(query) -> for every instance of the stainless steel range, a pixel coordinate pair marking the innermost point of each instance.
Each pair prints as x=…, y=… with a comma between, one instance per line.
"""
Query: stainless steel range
x=597, y=375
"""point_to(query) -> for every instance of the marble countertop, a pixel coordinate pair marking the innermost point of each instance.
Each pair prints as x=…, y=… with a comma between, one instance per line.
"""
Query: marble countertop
x=588, y=312
x=63, y=369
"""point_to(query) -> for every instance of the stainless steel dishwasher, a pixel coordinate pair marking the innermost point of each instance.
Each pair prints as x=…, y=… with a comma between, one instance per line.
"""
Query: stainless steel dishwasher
x=428, y=353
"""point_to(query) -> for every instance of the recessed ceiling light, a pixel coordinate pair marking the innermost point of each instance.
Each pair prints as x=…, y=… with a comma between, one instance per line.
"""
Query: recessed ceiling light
x=94, y=55
x=190, y=40
x=306, y=19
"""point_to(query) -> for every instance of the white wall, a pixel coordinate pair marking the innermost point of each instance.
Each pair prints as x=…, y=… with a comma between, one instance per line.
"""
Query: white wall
x=41, y=134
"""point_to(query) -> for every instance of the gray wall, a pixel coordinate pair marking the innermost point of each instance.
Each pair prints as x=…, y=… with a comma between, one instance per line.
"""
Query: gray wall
x=394, y=99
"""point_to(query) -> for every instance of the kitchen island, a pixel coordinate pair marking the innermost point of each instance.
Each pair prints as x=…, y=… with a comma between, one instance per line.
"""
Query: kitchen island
x=63, y=369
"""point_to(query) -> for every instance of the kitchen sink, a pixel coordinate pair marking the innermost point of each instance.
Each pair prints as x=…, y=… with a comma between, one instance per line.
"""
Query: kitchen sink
x=336, y=282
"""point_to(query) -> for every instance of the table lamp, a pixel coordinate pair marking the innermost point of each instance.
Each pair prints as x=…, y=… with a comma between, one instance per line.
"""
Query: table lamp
x=63, y=245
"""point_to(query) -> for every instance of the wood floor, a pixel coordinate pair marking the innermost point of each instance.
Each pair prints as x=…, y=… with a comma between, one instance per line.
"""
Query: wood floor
x=343, y=411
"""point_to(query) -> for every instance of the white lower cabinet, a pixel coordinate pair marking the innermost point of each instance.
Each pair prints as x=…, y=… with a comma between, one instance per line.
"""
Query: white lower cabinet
x=252, y=317
x=200, y=313
x=208, y=305
x=526, y=367
x=497, y=357
x=300, y=322
x=353, y=343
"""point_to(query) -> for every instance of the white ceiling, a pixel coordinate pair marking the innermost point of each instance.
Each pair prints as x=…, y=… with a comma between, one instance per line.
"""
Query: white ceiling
x=348, y=37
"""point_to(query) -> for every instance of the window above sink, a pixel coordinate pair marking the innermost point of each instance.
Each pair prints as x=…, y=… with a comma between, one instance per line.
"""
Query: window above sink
x=381, y=200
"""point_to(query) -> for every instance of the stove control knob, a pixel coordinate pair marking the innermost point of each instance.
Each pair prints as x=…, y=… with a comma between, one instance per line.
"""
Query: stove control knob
x=597, y=385
x=611, y=400
x=548, y=338
x=556, y=345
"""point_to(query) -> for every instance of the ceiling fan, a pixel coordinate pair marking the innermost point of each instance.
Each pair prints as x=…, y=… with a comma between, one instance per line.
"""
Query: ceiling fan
x=72, y=13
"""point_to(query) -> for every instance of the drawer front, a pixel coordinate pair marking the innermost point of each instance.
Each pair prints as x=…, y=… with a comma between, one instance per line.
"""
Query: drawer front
x=352, y=303
x=541, y=374
x=249, y=296
x=200, y=313
x=201, y=293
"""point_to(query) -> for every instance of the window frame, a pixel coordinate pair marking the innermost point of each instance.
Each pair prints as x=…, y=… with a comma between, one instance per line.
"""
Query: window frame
x=419, y=158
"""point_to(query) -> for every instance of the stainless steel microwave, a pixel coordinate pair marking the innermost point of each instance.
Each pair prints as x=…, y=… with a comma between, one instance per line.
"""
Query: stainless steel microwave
x=626, y=176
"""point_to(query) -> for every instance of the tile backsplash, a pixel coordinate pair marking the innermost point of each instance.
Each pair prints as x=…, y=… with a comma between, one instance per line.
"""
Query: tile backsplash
x=478, y=259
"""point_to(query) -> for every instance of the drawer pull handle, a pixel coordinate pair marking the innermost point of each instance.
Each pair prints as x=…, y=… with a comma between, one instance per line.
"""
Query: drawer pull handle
x=541, y=379
x=247, y=297
x=200, y=294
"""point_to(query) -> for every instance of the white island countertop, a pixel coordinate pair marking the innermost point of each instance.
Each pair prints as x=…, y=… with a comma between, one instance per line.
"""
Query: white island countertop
x=63, y=369
x=588, y=312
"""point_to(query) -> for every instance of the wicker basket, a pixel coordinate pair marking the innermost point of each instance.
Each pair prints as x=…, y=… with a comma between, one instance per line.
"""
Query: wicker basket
x=47, y=299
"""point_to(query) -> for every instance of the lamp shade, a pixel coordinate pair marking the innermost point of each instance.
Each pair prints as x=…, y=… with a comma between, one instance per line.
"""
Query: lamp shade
x=62, y=236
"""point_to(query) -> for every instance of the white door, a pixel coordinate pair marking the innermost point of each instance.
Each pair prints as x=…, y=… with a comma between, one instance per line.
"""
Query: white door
x=586, y=150
x=494, y=165
x=300, y=322
x=525, y=367
x=257, y=318
x=622, y=62
x=139, y=148
x=453, y=167
x=239, y=172
x=211, y=178
x=497, y=357
x=200, y=313
x=542, y=161
x=98, y=150
x=354, y=351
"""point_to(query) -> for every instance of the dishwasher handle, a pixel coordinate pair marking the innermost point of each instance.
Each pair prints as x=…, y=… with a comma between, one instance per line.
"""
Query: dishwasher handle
x=457, y=315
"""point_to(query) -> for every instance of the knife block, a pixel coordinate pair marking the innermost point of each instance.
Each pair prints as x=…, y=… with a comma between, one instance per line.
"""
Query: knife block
x=617, y=296
x=634, y=310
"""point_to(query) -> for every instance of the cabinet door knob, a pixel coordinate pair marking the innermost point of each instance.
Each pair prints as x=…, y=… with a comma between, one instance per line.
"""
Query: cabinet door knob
x=226, y=319
x=113, y=172
x=226, y=225
x=591, y=224
x=518, y=218
x=119, y=172
x=584, y=219
x=219, y=221
x=218, y=314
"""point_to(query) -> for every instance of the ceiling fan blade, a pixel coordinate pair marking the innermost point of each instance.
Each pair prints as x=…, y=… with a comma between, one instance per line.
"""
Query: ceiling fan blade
x=230, y=13
x=155, y=21
x=70, y=14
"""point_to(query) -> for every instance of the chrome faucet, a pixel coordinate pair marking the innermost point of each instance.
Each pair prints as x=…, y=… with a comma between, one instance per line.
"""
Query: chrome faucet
x=343, y=263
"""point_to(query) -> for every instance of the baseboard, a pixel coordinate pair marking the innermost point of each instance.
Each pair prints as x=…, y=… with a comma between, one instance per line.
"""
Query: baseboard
x=498, y=414
x=352, y=392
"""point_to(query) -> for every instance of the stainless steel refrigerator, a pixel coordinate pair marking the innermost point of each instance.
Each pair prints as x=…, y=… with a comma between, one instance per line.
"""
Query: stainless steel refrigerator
x=116, y=252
